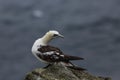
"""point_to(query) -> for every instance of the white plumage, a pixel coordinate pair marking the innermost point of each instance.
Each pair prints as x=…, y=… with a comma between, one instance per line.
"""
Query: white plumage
x=49, y=54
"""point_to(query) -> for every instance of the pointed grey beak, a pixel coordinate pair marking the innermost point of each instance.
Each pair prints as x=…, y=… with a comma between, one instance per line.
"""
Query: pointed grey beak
x=61, y=36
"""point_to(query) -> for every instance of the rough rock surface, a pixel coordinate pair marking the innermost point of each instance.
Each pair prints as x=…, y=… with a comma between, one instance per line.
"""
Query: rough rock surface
x=60, y=72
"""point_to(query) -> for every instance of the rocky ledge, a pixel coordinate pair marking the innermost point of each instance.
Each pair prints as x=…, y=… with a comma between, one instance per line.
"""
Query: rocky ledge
x=60, y=72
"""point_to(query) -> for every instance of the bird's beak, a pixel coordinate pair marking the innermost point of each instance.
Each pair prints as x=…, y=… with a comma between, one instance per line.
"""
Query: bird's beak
x=61, y=36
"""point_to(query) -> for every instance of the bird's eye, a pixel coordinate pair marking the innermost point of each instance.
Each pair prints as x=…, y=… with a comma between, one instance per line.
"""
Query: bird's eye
x=55, y=35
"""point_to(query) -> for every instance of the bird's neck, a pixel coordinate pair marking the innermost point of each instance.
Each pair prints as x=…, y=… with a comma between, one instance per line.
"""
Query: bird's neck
x=46, y=39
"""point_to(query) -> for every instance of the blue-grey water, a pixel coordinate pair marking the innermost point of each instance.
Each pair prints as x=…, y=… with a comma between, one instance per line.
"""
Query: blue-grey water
x=91, y=29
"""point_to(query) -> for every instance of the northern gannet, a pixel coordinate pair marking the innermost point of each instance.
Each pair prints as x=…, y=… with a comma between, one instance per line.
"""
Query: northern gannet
x=50, y=54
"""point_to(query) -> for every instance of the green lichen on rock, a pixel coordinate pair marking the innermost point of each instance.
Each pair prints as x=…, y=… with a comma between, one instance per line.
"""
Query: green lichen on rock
x=60, y=72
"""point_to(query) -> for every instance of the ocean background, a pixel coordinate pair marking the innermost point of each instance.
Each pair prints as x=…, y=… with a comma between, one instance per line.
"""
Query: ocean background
x=91, y=29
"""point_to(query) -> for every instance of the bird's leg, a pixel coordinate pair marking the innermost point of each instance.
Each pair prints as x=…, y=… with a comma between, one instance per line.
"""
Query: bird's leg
x=48, y=66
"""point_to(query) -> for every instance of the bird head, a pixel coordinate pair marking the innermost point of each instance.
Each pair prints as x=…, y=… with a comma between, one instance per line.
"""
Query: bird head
x=52, y=34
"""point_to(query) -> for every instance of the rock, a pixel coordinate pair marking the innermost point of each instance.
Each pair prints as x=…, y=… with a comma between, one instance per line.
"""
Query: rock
x=60, y=72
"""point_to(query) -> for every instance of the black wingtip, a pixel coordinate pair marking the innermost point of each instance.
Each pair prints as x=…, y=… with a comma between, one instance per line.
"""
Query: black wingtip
x=74, y=58
x=81, y=58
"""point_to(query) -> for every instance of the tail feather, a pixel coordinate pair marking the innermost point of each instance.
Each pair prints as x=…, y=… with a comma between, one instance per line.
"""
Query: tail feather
x=76, y=68
x=72, y=66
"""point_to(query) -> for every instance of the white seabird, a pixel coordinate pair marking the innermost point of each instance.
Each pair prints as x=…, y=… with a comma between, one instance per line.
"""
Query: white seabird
x=49, y=54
